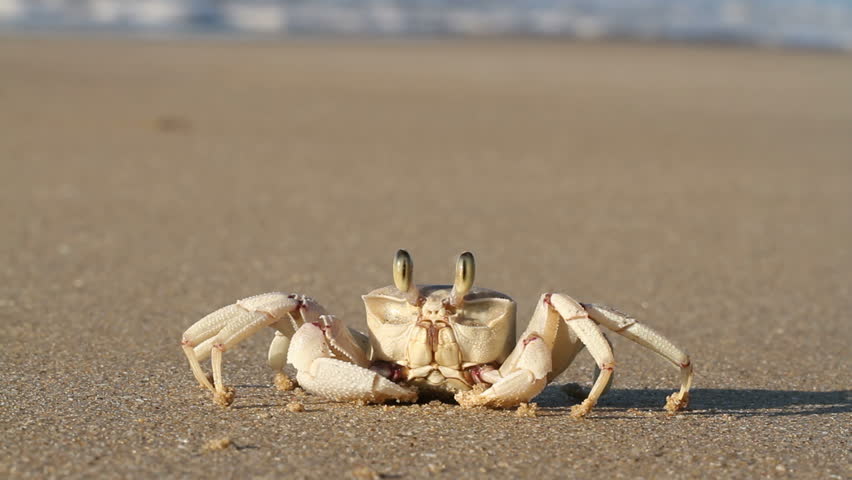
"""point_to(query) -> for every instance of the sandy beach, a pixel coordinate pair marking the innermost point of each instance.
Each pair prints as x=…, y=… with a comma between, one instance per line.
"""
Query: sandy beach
x=144, y=184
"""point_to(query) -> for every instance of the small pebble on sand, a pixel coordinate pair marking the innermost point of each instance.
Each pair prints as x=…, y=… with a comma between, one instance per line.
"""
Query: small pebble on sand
x=363, y=472
x=217, y=444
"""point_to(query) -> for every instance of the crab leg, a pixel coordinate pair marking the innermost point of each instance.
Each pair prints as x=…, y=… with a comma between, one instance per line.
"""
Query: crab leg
x=648, y=338
x=589, y=333
x=330, y=363
x=226, y=327
x=238, y=329
x=544, y=346
x=198, y=340
x=277, y=357
x=544, y=351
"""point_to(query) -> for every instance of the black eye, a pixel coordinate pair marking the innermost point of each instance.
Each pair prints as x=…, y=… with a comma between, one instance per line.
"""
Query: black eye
x=402, y=270
x=465, y=273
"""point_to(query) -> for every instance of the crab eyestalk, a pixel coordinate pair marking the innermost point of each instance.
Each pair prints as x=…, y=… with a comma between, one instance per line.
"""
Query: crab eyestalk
x=403, y=276
x=465, y=271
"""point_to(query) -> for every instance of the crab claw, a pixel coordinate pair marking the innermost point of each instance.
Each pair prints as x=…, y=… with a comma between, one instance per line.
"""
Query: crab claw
x=524, y=375
x=319, y=371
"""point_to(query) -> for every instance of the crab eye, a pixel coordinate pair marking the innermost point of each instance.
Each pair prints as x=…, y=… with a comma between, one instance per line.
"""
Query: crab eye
x=465, y=272
x=402, y=270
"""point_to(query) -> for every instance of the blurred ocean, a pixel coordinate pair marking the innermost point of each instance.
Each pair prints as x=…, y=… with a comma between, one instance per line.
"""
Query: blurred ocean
x=807, y=23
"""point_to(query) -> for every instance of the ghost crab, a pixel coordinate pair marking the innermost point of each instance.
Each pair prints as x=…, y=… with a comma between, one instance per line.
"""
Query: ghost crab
x=440, y=340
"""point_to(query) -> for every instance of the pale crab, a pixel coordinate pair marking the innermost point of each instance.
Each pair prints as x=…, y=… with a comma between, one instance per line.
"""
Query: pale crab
x=428, y=340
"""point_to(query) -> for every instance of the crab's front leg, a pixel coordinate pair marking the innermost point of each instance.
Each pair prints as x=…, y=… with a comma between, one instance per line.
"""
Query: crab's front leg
x=519, y=379
x=225, y=328
x=524, y=374
x=330, y=363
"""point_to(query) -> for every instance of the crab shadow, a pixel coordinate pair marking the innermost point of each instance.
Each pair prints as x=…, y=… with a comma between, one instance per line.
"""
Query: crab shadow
x=714, y=401
x=703, y=401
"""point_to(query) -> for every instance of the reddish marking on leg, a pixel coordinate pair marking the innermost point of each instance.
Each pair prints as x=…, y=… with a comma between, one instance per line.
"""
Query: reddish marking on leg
x=608, y=367
x=392, y=371
x=547, y=299
x=476, y=374
x=187, y=343
x=684, y=365
x=321, y=326
x=292, y=295
x=530, y=339
x=397, y=372
x=219, y=346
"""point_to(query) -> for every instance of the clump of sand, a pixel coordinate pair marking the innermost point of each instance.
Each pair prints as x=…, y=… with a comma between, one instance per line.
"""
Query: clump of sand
x=677, y=402
x=363, y=472
x=225, y=399
x=527, y=410
x=471, y=397
x=217, y=444
x=284, y=382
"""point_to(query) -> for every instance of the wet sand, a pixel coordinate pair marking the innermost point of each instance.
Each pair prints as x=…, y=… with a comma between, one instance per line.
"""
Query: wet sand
x=142, y=185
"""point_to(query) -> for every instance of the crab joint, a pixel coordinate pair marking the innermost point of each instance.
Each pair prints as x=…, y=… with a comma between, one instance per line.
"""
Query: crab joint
x=392, y=371
x=465, y=272
x=403, y=276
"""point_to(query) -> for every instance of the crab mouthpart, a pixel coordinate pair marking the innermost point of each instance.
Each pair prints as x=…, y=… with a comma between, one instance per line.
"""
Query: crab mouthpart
x=435, y=378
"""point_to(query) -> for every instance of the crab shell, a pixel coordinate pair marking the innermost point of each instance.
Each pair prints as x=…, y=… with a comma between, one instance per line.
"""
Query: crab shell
x=434, y=341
